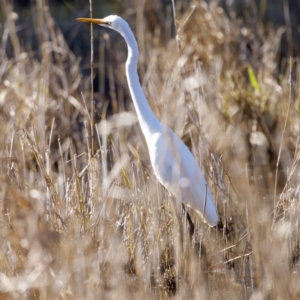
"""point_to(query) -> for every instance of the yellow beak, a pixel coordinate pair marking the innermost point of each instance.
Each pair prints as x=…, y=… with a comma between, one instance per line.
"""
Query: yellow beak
x=93, y=21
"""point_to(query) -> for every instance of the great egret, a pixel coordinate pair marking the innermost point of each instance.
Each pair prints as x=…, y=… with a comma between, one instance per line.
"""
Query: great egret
x=172, y=162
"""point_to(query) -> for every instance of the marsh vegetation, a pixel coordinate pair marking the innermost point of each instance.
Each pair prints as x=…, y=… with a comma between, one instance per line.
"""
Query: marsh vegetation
x=82, y=214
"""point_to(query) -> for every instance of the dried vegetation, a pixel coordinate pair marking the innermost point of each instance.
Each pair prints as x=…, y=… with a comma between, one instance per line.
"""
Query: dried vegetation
x=83, y=217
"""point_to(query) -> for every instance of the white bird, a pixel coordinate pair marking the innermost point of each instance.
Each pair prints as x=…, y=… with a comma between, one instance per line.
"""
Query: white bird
x=173, y=164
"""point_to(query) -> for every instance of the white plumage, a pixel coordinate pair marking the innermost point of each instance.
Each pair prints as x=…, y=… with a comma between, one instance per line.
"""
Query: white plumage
x=173, y=164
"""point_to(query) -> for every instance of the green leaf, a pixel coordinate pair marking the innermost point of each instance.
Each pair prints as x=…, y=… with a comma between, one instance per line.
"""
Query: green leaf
x=253, y=79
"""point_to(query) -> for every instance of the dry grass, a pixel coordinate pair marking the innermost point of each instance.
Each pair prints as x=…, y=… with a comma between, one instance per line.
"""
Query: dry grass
x=83, y=225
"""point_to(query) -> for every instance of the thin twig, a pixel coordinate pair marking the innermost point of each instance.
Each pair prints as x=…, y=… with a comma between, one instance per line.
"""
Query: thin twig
x=11, y=146
x=87, y=111
x=205, y=199
x=62, y=163
x=92, y=81
x=282, y=136
x=51, y=133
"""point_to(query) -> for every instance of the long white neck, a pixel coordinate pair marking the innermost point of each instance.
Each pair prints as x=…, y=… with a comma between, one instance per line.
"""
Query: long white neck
x=149, y=123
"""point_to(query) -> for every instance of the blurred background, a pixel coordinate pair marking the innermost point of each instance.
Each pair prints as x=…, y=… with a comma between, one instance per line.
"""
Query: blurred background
x=156, y=18
x=82, y=214
x=64, y=12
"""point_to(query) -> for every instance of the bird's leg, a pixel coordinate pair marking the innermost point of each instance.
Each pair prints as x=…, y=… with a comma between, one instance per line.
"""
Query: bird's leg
x=188, y=217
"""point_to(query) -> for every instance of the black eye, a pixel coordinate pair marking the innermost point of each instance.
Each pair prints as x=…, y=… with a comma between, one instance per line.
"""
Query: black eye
x=108, y=23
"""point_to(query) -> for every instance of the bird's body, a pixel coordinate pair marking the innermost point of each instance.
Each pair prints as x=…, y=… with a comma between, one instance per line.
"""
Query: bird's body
x=173, y=164
x=176, y=168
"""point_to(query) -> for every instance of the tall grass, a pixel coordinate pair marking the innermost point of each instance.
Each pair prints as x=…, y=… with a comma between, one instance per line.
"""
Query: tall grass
x=82, y=225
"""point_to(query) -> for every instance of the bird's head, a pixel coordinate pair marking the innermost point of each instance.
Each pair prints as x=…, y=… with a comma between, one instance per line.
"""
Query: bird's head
x=121, y=26
x=113, y=22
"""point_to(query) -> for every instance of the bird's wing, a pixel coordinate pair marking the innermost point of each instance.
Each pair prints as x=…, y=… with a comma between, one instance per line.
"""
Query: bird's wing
x=162, y=158
x=177, y=169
